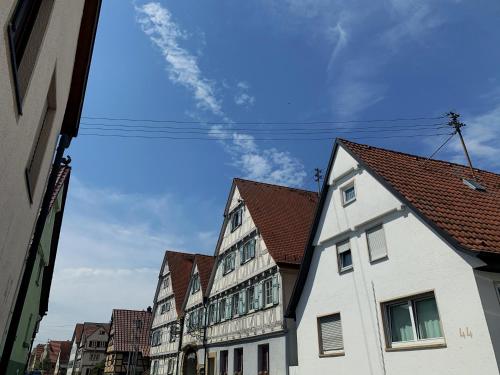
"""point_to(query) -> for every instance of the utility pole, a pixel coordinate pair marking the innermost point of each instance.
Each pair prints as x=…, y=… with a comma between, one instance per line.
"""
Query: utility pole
x=318, y=177
x=456, y=124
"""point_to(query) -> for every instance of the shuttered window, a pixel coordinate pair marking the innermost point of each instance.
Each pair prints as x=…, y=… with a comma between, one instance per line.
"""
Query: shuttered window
x=330, y=334
x=376, y=243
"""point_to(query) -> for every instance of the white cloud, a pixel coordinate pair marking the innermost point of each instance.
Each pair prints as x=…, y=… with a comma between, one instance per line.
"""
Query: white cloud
x=268, y=165
x=182, y=66
x=111, y=247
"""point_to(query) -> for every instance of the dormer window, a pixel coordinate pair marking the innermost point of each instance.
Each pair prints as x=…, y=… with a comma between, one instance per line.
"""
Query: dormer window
x=348, y=193
x=236, y=218
x=196, y=284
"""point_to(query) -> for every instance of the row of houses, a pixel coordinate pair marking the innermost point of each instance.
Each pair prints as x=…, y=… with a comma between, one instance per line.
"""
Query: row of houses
x=394, y=268
x=45, y=53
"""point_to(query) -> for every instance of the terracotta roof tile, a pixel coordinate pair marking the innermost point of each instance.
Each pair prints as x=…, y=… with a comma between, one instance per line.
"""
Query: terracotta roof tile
x=437, y=191
x=282, y=215
x=55, y=347
x=205, y=264
x=77, y=334
x=180, y=266
x=62, y=175
x=126, y=335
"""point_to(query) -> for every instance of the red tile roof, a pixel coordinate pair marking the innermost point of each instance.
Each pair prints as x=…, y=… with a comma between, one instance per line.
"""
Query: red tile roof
x=83, y=330
x=125, y=332
x=55, y=347
x=180, y=266
x=205, y=264
x=435, y=189
x=282, y=215
x=77, y=333
x=65, y=350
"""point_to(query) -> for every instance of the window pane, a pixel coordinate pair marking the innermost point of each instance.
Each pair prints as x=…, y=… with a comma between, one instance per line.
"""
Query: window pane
x=428, y=319
x=345, y=259
x=401, y=329
x=349, y=194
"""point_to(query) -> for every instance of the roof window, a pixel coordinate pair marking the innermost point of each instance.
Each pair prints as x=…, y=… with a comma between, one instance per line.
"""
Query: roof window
x=473, y=184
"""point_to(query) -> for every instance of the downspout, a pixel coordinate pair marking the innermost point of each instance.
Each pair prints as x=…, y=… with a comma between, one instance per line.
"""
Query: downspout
x=64, y=142
x=181, y=331
x=205, y=353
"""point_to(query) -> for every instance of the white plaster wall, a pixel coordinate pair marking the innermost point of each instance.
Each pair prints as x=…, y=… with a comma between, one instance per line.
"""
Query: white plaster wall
x=17, y=134
x=418, y=261
x=194, y=299
x=277, y=355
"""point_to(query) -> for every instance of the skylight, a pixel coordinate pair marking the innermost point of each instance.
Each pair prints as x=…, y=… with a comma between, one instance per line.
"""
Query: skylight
x=473, y=184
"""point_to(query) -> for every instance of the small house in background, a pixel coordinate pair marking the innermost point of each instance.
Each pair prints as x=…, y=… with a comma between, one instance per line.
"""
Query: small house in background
x=88, y=350
x=50, y=355
x=128, y=346
x=35, y=357
x=168, y=315
x=63, y=358
x=402, y=270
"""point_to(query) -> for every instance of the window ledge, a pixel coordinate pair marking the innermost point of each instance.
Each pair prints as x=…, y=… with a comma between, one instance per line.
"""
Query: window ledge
x=346, y=270
x=339, y=353
x=345, y=204
x=418, y=345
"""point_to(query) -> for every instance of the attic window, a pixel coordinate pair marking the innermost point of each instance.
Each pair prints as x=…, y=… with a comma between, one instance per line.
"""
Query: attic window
x=236, y=218
x=473, y=184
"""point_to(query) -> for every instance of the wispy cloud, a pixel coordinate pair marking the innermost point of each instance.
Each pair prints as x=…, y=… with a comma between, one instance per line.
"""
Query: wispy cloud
x=270, y=164
x=182, y=66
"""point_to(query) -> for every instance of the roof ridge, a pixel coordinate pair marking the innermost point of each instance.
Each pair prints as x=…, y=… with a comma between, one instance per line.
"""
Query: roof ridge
x=343, y=140
x=180, y=252
x=275, y=185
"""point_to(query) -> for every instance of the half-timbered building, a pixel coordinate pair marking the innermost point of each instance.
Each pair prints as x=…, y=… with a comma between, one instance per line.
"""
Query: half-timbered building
x=194, y=306
x=168, y=315
x=258, y=255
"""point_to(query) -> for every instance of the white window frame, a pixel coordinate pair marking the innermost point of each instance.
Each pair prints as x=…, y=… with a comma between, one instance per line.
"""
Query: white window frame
x=268, y=282
x=250, y=301
x=245, y=250
x=196, y=283
x=342, y=268
x=416, y=342
x=343, y=190
x=166, y=282
x=236, y=213
x=228, y=262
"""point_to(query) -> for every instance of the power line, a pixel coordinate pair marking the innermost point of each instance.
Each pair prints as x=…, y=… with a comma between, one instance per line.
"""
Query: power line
x=104, y=126
x=261, y=122
x=442, y=145
x=214, y=138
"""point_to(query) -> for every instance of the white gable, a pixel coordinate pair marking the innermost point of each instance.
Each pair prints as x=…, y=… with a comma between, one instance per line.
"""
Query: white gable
x=196, y=298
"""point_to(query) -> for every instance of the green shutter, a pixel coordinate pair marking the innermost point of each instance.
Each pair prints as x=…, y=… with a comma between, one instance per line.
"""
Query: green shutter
x=259, y=295
x=276, y=296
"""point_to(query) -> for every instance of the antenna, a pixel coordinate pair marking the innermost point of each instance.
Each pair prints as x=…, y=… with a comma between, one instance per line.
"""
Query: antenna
x=318, y=177
x=455, y=123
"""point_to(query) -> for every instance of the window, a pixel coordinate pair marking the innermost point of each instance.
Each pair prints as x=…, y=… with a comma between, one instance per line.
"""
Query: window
x=211, y=313
x=238, y=361
x=414, y=320
x=377, y=246
x=247, y=251
x=26, y=31
x=263, y=359
x=173, y=333
x=170, y=366
x=344, y=256
x=165, y=307
x=251, y=298
x=154, y=370
x=228, y=262
x=222, y=309
x=156, y=338
x=166, y=282
x=330, y=334
x=196, y=283
x=348, y=193
x=268, y=292
x=242, y=302
x=234, y=302
x=41, y=142
x=223, y=367
x=236, y=218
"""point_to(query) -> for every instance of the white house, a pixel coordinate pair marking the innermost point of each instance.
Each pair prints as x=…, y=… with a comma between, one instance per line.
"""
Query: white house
x=88, y=347
x=194, y=306
x=168, y=315
x=258, y=254
x=401, y=274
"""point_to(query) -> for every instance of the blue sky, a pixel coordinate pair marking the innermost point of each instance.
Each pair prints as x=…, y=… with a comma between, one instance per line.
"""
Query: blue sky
x=250, y=61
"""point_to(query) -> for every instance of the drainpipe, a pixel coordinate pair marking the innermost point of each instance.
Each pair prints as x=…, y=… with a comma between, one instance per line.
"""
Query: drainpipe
x=181, y=330
x=64, y=142
x=205, y=353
